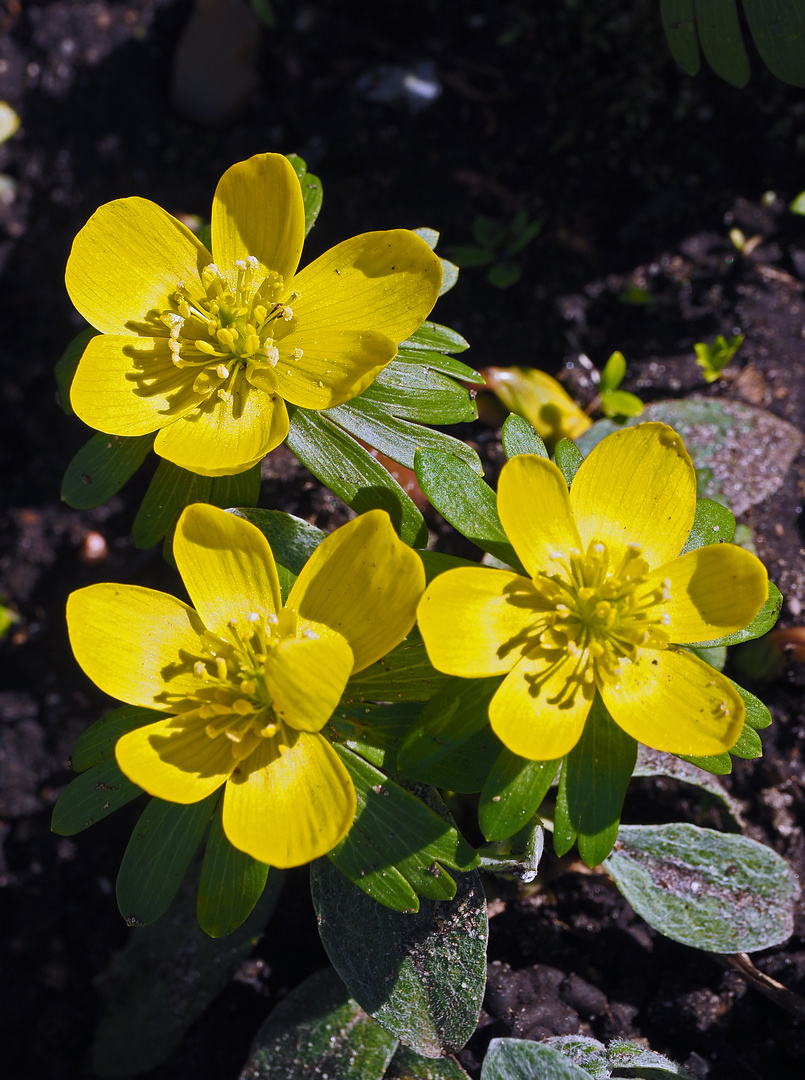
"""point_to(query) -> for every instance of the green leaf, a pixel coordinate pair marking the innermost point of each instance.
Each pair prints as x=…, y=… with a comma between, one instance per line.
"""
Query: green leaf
x=679, y=23
x=422, y=975
x=408, y=1065
x=488, y=231
x=520, y=1059
x=761, y=624
x=423, y=390
x=466, y=501
x=67, y=364
x=717, y=892
x=395, y=834
x=319, y=1030
x=158, y=855
x=292, y=539
x=464, y=768
x=92, y=796
x=798, y=205
x=172, y=489
x=374, y=731
x=613, y=373
x=503, y=275
x=397, y=439
x=519, y=437
x=721, y=40
x=97, y=743
x=467, y=256
x=594, y=780
x=757, y=715
x=449, y=276
x=714, y=358
x=778, y=30
x=513, y=793
x=231, y=882
x=620, y=403
x=456, y=712
x=518, y=856
x=404, y=674
x=164, y=979
x=312, y=193
x=431, y=335
x=101, y=468
x=351, y=472
x=713, y=524
x=569, y=458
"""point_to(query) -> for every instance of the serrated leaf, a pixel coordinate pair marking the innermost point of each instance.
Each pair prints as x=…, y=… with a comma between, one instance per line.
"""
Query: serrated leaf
x=519, y=437
x=713, y=524
x=423, y=391
x=518, y=1059
x=164, y=979
x=431, y=335
x=351, y=472
x=319, y=1030
x=231, y=882
x=421, y=975
x=312, y=194
x=97, y=743
x=67, y=363
x=761, y=624
x=396, y=438
x=92, y=796
x=396, y=833
x=101, y=468
x=158, y=855
x=466, y=501
x=569, y=458
x=717, y=892
x=721, y=40
x=593, y=783
x=679, y=23
x=408, y=1065
x=513, y=793
x=404, y=674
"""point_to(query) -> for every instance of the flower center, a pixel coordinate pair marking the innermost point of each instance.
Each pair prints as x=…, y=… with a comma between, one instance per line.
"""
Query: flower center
x=229, y=335
x=233, y=699
x=601, y=614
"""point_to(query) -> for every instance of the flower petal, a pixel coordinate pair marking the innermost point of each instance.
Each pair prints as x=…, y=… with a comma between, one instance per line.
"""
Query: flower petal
x=673, y=701
x=258, y=210
x=475, y=621
x=363, y=582
x=130, y=386
x=715, y=590
x=637, y=487
x=382, y=281
x=126, y=263
x=286, y=809
x=227, y=567
x=322, y=369
x=532, y=712
x=306, y=678
x=136, y=644
x=175, y=759
x=220, y=438
x=534, y=509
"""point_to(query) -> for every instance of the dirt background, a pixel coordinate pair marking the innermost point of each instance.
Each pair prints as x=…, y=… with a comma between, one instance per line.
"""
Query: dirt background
x=575, y=115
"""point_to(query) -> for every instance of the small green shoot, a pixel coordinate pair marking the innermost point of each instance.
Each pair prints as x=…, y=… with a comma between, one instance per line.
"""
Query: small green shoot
x=712, y=359
x=614, y=402
x=496, y=246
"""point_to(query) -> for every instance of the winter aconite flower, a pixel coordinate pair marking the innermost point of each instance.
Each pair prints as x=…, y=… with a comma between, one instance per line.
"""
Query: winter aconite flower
x=606, y=605
x=246, y=683
x=206, y=347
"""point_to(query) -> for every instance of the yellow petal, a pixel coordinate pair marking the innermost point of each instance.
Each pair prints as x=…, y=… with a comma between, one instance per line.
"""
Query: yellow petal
x=637, y=487
x=306, y=678
x=363, y=582
x=673, y=701
x=533, y=714
x=127, y=262
x=534, y=509
x=130, y=386
x=227, y=567
x=715, y=590
x=220, y=438
x=540, y=399
x=382, y=281
x=136, y=644
x=321, y=369
x=175, y=759
x=288, y=809
x=475, y=622
x=258, y=210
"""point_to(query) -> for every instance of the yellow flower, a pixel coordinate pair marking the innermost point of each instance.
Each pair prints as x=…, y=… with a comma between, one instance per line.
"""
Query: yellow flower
x=540, y=399
x=247, y=684
x=206, y=352
x=607, y=601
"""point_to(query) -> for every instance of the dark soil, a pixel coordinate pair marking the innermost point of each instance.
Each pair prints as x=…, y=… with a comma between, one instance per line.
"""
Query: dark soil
x=637, y=173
